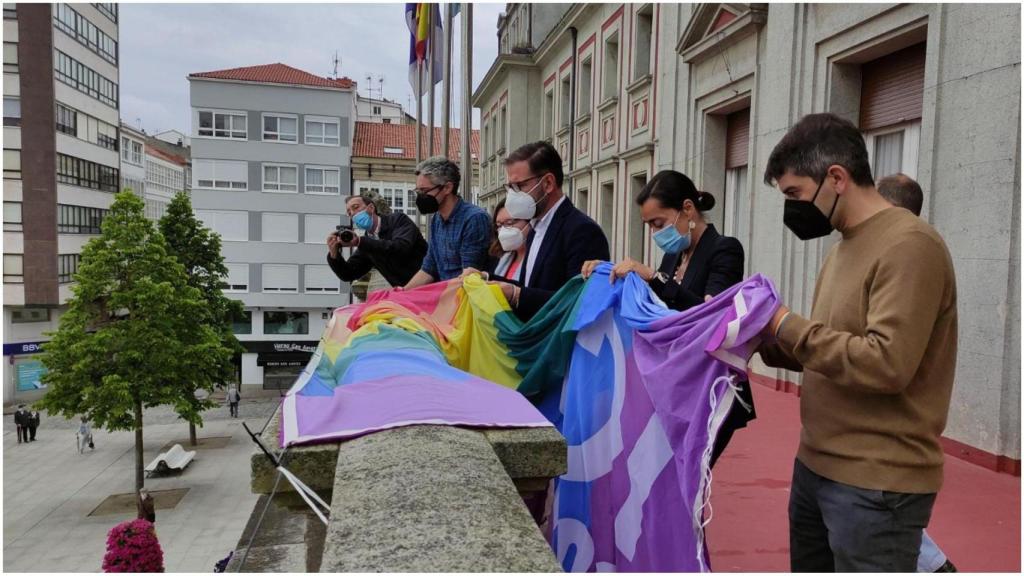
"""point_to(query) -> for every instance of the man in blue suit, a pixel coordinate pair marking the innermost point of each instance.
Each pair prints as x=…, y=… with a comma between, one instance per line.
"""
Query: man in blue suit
x=562, y=237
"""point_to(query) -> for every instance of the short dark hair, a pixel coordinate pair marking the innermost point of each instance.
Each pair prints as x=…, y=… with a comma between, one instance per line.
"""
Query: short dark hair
x=541, y=157
x=366, y=198
x=903, y=191
x=816, y=142
x=671, y=189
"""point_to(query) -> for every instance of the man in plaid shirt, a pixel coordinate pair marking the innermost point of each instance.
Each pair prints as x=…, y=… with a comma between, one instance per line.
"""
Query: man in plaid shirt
x=460, y=233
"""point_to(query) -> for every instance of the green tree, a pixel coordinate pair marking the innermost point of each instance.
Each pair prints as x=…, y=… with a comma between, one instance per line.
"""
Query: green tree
x=197, y=248
x=130, y=334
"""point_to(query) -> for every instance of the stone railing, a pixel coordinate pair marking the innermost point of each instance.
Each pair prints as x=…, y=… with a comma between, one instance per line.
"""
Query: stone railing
x=410, y=499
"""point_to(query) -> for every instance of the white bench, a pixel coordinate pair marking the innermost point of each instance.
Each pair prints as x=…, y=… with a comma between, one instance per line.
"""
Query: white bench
x=177, y=458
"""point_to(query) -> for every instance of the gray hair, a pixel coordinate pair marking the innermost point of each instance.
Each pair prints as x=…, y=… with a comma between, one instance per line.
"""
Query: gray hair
x=440, y=170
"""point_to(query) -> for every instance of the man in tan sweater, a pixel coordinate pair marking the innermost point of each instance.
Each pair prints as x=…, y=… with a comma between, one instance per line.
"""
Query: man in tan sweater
x=878, y=354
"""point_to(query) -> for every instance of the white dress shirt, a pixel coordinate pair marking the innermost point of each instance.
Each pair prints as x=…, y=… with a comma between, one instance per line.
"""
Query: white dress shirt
x=539, y=229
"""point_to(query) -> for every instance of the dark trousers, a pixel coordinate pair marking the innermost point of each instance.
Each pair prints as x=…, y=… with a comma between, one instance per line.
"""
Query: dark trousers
x=32, y=432
x=233, y=406
x=22, y=434
x=835, y=527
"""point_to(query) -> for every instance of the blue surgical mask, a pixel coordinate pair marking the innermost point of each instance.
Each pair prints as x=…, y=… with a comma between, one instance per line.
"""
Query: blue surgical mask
x=670, y=240
x=363, y=221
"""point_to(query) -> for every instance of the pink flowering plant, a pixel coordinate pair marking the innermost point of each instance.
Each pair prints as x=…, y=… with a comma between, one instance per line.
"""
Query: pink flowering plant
x=132, y=547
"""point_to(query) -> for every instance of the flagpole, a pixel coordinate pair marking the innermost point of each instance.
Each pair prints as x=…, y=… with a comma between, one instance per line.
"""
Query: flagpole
x=419, y=111
x=430, y=83
x=446, y=87
x=467, y=95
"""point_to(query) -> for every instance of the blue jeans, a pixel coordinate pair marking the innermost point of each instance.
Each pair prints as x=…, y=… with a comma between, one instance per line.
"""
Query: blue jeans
x=836, y=527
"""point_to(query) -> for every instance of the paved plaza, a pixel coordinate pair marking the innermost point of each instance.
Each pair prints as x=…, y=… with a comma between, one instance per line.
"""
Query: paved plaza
x=50, y=490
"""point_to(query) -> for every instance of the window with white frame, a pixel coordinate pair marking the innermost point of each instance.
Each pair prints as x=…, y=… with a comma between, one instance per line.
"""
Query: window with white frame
x=894, y=149
x=642, y=53
x=12, y=217
x=220, y=174
x=222, y=124
x=318, y=226
x=280, y=178
x=232, y=225
x=586, y=79
x=321, y=280
x=281, y=278
x=611, y=67
x=280, y=128
x=549, y=112
x=322, y=130
x=14, y=268
x=323, y=180
x=280, y=227
x=237, y=279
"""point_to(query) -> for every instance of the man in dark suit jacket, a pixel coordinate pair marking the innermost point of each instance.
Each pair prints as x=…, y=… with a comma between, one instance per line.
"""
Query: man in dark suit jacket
x=562, y=237
x=21, y=421
x=393, y=244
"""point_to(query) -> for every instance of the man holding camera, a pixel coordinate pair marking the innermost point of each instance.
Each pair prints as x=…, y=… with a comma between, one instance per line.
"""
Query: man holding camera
x=392, y=244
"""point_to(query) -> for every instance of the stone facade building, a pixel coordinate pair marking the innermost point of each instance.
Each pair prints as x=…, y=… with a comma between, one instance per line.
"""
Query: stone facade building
x=626, y=90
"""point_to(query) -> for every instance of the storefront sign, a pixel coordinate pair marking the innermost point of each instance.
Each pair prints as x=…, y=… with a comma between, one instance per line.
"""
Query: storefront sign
x=265, y=347
x=30, y=375
x=20, y=348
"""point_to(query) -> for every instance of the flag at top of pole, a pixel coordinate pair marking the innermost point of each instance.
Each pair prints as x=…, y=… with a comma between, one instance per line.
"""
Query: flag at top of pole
x=425, y=32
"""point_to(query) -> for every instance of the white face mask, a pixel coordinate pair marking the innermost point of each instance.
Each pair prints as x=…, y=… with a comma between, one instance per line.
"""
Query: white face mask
x=510, y=237
x=521, y=205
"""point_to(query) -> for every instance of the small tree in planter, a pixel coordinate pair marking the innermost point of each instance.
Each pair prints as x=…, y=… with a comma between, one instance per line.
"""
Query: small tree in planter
x=132, y=546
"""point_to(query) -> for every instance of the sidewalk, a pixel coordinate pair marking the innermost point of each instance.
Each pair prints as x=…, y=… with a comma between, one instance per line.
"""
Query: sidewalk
x=50, y=490
x=976, y=520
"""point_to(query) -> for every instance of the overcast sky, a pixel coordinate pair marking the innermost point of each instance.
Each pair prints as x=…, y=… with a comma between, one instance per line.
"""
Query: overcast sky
x=162, y=43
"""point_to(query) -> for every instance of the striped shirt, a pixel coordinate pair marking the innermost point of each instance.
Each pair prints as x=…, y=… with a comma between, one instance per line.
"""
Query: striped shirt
x=459, y=242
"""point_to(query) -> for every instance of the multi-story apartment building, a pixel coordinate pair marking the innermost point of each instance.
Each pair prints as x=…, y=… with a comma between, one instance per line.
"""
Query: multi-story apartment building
x=271, y=163
x=384, y=162
x=133, y=160
x=625, y=90
x=165, y=177
x=154, y=169
x=380, y=111
x=61, y=141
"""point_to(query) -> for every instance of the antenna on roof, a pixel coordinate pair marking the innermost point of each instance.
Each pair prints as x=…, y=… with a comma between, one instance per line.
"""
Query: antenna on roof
x=337, y=64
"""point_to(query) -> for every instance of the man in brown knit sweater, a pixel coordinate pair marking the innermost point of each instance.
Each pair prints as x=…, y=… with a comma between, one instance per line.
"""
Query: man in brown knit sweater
x=878, y=354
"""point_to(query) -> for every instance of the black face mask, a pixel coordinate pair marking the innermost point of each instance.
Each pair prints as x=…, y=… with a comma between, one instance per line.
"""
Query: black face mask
x=427, y=204
x=804, y=218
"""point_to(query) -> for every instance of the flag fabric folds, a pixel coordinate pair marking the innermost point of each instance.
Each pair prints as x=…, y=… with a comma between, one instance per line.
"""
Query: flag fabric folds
x=639, y=392
x=425, y=33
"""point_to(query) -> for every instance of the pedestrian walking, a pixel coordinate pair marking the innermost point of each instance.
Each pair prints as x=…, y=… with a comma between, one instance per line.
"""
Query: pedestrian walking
x=147, y=509
x=33, y=423
x=233, y=399
x=84, y=436
x=21, y=421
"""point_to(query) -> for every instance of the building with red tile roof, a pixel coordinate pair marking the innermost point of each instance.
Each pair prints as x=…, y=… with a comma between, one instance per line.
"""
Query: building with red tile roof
x=276, y=73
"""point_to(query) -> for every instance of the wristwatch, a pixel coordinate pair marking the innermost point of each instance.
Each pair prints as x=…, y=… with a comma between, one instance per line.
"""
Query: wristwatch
x=661, y=277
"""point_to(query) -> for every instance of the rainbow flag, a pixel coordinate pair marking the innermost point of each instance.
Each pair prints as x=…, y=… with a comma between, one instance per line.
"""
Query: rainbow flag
x=639, y=392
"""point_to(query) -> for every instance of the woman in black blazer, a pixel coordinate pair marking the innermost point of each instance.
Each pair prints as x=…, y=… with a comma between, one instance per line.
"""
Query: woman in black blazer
x=699, y=263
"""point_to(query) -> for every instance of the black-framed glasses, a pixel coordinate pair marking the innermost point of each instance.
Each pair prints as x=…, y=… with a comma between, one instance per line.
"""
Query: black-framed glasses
x=426, y=190
x=518, y=186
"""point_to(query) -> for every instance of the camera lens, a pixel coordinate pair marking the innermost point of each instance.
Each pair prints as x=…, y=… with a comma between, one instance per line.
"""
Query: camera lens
x=347, y=235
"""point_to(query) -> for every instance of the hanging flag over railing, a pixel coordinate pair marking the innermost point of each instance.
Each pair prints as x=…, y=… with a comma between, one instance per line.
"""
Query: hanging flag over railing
x=639, y=392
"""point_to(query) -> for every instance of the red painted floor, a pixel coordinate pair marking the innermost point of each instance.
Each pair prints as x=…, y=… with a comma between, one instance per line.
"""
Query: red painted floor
x=976, y=520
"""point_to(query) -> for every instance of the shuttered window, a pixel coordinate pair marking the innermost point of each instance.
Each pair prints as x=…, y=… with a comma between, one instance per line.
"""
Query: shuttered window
x=892, y=88
x=737, y=139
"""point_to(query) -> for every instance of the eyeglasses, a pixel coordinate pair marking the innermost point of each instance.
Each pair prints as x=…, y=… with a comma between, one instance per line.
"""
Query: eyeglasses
x=426, y=190
x=517, y=186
